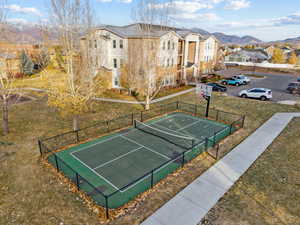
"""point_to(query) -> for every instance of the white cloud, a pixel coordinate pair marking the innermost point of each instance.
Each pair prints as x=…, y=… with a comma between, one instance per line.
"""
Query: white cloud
x=17, y=21
x=237, y=4
x=126, y=1
x=195, y=17
x=122, y=1
x=293, y=19
x=184, y=6
x=25, y=10
x=104, y=0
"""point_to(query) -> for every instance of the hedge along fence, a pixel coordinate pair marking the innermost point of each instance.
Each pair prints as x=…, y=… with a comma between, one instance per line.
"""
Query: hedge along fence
x=50, y=145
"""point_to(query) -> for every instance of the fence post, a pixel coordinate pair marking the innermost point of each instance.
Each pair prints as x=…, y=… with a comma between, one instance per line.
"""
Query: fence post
x=206, y=143
x=177, y=105
x=243, y=122
x=57, y=167
x=217, y=116
x=77, y=182
x=40, y=147
x=77, y=136
x=215, y=134
x=132, y=118
x=106, y=207
x=217, y=152
x=107, y=124
x=152, y=178
x=230, y=128
x=141, y=116
x=182, y=160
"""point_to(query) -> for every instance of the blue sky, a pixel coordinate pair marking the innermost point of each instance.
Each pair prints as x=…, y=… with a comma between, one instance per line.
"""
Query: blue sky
x=264, y=19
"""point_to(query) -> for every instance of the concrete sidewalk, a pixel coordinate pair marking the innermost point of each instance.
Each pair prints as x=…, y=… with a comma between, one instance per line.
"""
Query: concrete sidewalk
x=190, y=205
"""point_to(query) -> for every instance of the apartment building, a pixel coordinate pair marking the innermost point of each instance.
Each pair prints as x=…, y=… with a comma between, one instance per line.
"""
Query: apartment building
x=174, y=55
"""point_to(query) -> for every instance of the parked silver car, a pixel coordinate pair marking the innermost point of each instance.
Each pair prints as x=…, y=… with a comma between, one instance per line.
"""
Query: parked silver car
x=258, y=93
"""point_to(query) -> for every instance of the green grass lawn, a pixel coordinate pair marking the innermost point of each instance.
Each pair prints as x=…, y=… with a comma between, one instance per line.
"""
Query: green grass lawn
x=32, y=194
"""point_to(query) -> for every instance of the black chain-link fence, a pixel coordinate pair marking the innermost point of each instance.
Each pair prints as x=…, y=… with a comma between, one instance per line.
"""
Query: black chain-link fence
x=48, y=147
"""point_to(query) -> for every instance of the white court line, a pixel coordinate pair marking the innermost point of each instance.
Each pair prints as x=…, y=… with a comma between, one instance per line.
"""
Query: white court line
x=190, y=135
x=97, y=173
x=189, y=125
x=122, y=136
x=170, y=130
x=146, y=147
x=108, y=139
x=134, y=184
x=119, y=157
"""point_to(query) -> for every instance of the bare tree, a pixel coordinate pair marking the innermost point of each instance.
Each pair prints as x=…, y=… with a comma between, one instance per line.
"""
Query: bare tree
x=3, y=11
x=152, y=17
x=72, y=19
x=7, y=88
x=3, y=17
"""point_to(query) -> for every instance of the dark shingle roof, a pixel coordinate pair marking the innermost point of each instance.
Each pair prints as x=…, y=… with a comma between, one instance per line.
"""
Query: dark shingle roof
x=137, y=30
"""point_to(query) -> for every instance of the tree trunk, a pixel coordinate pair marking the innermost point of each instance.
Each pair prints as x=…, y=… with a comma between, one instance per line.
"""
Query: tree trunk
x=147, y=105
x=5, y=117
x=75, y=123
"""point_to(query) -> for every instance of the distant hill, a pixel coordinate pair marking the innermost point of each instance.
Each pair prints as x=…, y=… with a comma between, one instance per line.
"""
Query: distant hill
x=233, y=39
x=25, y=34
x=295, y=40
x=229, y=39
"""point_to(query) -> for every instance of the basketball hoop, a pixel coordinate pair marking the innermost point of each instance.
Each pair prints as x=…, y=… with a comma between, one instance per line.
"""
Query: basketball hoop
x=204, y=91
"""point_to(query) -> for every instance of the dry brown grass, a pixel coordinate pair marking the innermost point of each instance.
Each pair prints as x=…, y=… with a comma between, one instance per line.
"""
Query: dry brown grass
x=31, y=194
x=269, y=192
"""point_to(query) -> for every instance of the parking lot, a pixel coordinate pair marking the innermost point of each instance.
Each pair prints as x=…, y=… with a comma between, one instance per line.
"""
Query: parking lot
x=276, y=82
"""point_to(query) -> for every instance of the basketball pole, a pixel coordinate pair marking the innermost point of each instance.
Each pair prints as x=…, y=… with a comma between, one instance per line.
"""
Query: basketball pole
x=207, y=98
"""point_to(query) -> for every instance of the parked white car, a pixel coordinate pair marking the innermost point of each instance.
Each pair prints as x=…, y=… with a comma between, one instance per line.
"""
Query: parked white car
x=243, y=78
x=258, y=93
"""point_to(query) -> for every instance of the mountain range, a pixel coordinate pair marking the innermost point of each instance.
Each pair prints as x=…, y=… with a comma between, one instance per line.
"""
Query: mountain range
x=32, y=34
x=229, y=39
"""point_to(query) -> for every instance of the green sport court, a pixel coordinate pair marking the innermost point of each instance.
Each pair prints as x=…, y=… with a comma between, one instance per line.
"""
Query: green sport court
x=129, y=162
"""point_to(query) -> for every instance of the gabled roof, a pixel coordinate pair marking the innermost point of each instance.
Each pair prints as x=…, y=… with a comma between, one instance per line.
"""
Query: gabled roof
x=251, y=53
x=205, y=37
x=138, y=30
x=184, y=33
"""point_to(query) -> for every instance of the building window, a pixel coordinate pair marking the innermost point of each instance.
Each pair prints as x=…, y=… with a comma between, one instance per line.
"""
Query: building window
x=115, y=63
x=96, y=63
x=169, y=45
x=114, y=44
x=116, y=81
x=172, y=62
x=121, y=43
x=168, y=62
x=95, y=43
x=152, y=45
x=173, y=45
x=167, y=81
x=164, y=46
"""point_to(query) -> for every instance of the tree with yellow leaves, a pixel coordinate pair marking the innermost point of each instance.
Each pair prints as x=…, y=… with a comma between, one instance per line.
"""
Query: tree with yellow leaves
x=293, y=59
x=278, y=56
x=148, y=73
x=73, y=97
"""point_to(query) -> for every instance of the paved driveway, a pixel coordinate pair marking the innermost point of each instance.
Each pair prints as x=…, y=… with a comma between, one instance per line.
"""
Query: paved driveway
x=276, y=82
